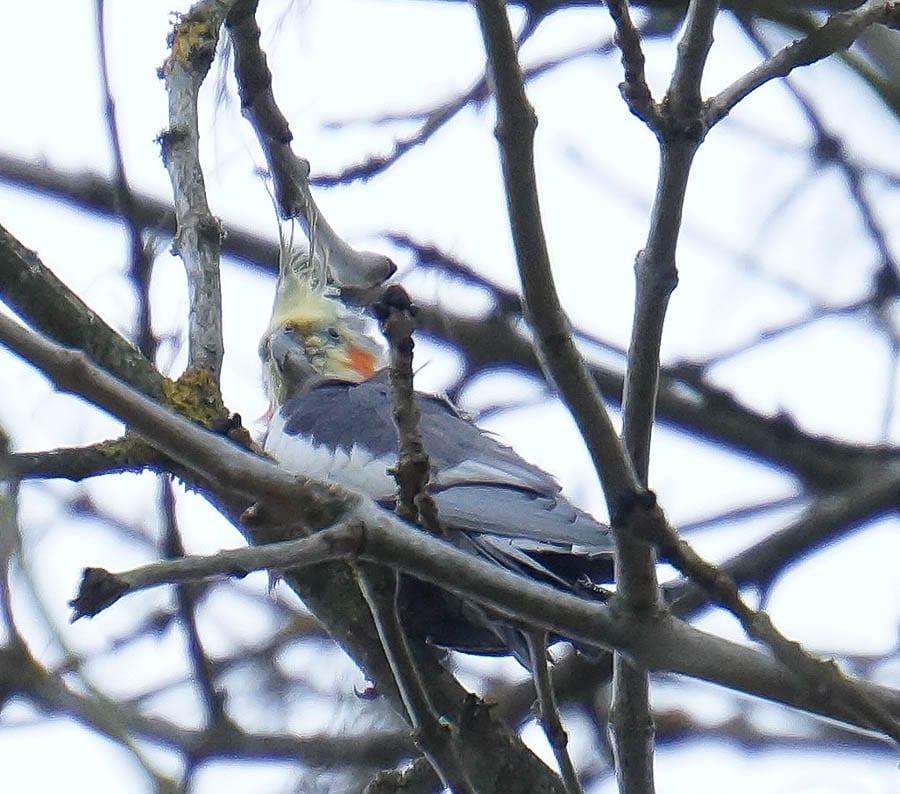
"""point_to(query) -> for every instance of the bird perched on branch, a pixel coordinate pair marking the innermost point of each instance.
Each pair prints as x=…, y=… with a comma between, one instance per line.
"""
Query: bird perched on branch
x=331, y=418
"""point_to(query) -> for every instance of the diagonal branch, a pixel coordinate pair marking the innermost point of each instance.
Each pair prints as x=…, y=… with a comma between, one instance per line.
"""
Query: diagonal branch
x=347, y=266
x=437, y=740
x=658, y=641
x=548, y=710
x=823, y=676
x=838, y=33
x=661, y=642
x=29, y=288
x=560, y=357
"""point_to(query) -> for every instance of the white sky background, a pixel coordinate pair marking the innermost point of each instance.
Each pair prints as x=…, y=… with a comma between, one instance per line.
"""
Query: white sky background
x=761, y=227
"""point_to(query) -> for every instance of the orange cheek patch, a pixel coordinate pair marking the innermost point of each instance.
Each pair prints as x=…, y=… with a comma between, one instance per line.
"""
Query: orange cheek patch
x=362, y=361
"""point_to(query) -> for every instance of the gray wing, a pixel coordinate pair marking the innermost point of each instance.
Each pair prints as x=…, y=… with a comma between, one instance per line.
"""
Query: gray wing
x=520, y=513
x=479, y=484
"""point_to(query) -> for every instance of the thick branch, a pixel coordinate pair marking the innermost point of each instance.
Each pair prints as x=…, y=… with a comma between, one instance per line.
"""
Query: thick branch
x=659, y=642
x=41, y=299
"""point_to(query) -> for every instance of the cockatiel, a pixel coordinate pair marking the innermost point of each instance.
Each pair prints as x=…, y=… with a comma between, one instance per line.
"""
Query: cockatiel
x=331, y=419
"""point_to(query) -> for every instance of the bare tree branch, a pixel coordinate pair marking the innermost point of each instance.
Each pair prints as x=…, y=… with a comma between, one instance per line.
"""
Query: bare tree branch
x=634, y=89
x=413, y=472
x=662, y=643
x=141, y=261
x=548, y=710
x=823, y=676
x=838, y=33
x=560, y=358
x=436, y=118
x=199, y=237
x=349, y=267
x=679, y=131
x=437, y=740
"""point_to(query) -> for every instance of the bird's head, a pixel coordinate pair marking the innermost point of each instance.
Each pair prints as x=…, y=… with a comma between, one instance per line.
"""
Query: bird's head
x=313, y=336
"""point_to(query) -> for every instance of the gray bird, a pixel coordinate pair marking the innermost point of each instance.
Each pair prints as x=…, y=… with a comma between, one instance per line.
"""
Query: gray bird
x=331, y=418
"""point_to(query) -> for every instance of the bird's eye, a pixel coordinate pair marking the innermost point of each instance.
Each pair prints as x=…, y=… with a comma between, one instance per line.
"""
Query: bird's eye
x=289, y=328
x=334, y=333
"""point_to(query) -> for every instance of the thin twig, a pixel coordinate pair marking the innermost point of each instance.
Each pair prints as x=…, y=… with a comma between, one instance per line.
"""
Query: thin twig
x=434, y=119
x=10, y=538
x=683, y=96
x=679, y=133
x=435, y=738
x=634, y=89
x=548, y=710
x=141, y=266
x=516, y=123
x=838, y=33
x=186, y=596
x=396, y=314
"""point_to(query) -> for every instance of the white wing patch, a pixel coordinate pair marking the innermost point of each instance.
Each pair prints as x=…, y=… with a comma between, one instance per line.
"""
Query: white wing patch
x=483, y=472
x=357, y=469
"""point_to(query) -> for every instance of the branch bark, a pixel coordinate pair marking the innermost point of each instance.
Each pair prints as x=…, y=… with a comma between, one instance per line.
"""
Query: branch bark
x=657, y=642
x=348, y=267
x=199, y=236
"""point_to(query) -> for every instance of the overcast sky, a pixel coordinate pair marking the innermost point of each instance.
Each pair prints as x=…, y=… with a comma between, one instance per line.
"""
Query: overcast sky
x=769, y=239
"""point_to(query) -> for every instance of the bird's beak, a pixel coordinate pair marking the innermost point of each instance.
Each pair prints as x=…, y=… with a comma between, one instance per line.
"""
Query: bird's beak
x=285, y=349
